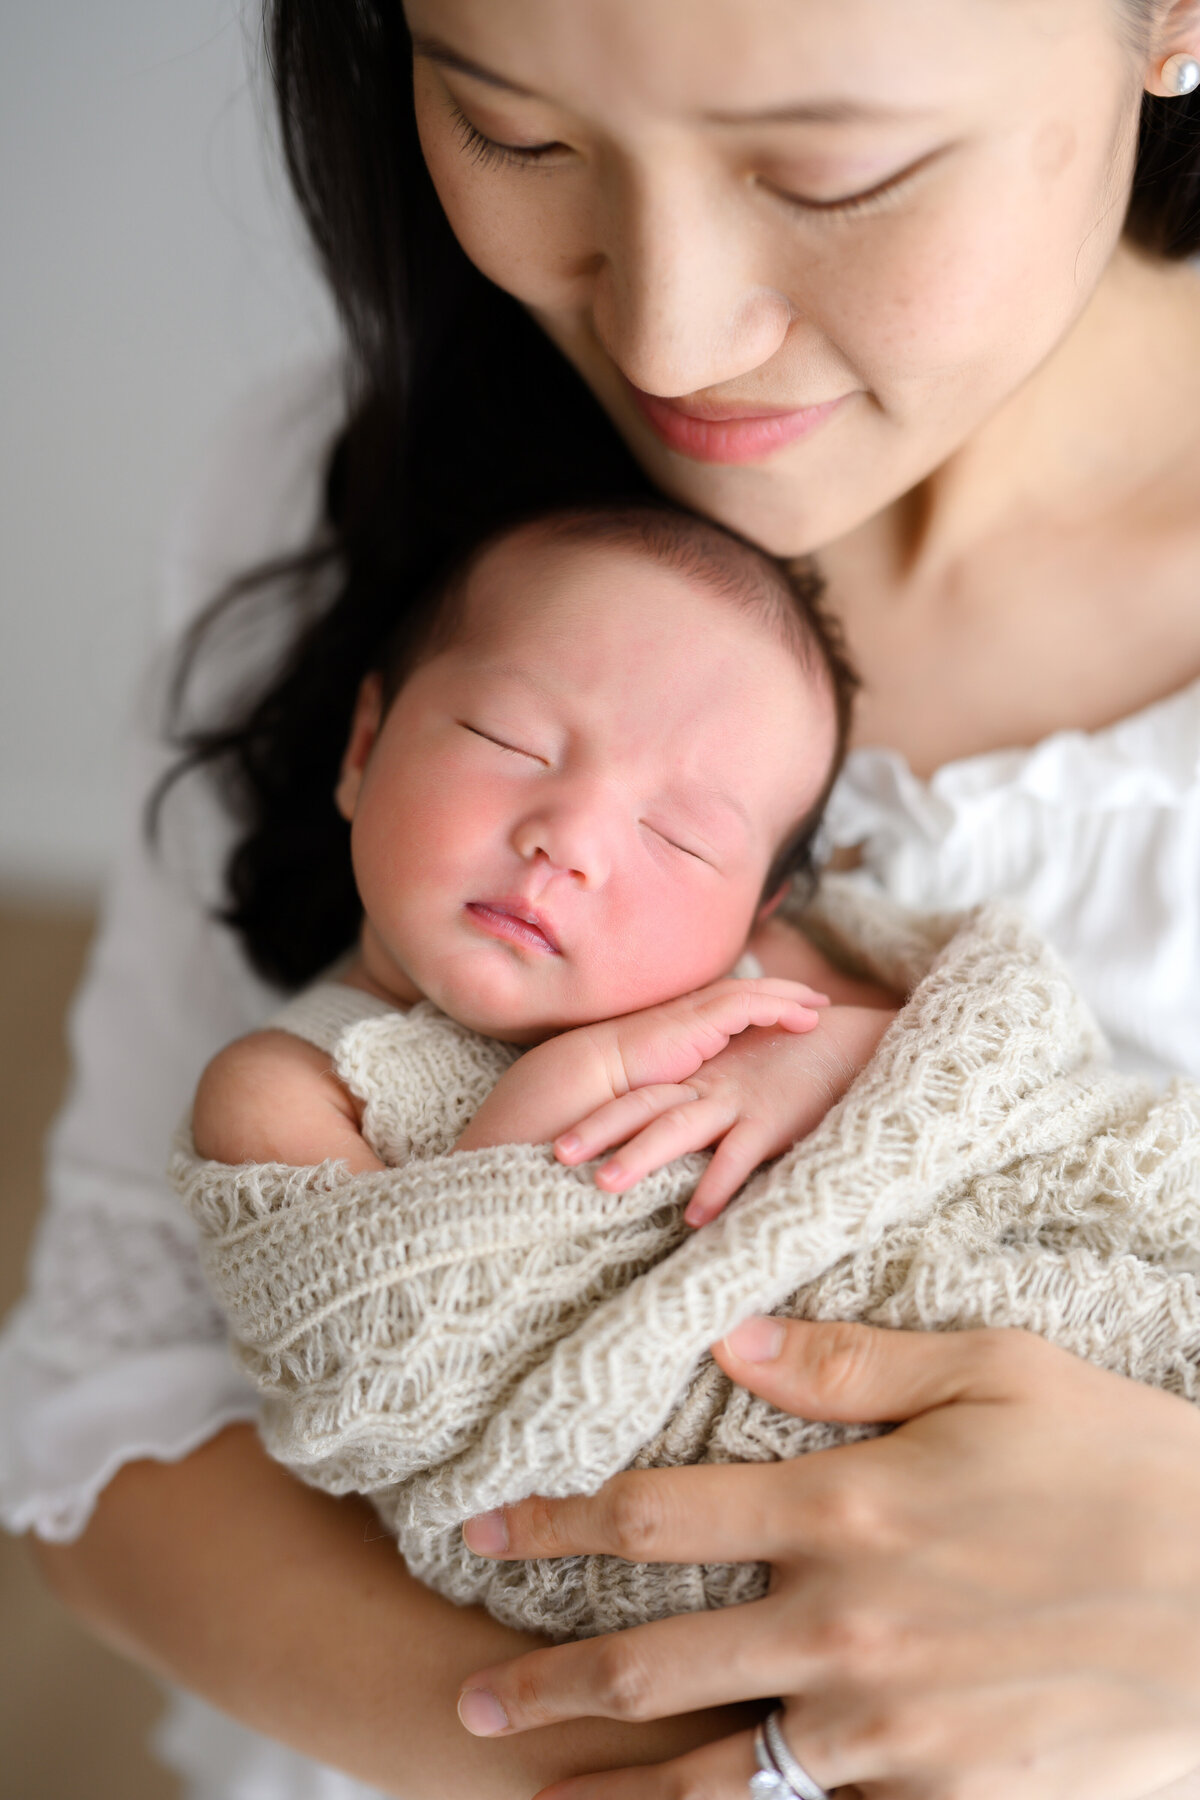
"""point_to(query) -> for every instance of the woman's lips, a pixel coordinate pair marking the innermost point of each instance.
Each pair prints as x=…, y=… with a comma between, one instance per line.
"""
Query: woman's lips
x=515, y=923
x=729, y=434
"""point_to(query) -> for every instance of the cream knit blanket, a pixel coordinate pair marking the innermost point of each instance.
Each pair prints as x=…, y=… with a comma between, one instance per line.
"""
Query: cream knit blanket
x=463, y=1330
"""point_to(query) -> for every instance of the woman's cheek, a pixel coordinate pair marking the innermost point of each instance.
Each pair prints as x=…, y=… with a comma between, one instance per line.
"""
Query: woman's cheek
x=525, y=229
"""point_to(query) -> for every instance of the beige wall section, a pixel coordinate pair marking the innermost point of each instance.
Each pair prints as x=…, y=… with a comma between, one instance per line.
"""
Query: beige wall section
x=152, y=271
x=73, y=1718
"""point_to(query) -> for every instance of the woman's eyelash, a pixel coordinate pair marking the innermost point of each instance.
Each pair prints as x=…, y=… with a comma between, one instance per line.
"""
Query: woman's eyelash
x=870, y=200
x=487, y=152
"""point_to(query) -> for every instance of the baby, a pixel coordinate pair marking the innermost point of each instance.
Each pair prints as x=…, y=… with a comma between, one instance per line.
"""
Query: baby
x=575, y=794
x=575, y=797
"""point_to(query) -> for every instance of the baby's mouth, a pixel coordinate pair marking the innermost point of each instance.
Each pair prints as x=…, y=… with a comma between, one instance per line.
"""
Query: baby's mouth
x=514, y=923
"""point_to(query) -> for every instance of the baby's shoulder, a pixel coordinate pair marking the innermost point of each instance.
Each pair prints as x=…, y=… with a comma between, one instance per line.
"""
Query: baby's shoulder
x=273, y=1097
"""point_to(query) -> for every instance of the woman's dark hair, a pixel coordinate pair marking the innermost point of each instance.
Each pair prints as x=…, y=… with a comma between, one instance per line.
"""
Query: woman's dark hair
x=461, y=415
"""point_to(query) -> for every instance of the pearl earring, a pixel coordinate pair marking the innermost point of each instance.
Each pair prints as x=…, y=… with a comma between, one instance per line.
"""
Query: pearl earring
x=1180, y=74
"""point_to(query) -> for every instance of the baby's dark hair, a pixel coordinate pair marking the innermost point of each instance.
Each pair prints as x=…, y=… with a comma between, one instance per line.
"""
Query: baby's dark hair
x=787, y=601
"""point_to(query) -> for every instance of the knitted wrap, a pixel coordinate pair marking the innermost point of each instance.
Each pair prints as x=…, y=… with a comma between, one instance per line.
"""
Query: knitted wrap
x=460, y=1331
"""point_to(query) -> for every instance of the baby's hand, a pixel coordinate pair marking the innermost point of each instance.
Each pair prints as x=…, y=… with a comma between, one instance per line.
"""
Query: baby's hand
x=667, y=1043
x=574, y=1075
x=753, y=1100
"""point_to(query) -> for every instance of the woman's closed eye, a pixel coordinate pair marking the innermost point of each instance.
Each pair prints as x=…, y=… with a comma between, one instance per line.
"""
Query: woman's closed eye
x=870, y=199
x=490, y=737
x=488, y=151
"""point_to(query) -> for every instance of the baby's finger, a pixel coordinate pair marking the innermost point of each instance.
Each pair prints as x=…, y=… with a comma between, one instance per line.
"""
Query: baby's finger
x=691, y=1125
x=771, y=1005
x=735, y=1159
x=619, y=1120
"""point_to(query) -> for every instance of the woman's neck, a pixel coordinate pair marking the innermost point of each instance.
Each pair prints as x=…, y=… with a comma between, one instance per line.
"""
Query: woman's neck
x=1113, y=410
x=1045, y=577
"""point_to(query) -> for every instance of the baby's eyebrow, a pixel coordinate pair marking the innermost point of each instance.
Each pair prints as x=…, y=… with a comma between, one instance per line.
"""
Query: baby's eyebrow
x=699, y=803
x=514, y=672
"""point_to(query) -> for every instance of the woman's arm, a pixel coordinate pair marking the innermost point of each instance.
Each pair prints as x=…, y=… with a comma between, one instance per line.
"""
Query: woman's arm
x=293, y=1612
x=1000, y=1597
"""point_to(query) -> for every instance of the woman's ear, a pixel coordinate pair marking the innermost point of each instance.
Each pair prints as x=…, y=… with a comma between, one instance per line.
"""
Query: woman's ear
x=364, y=729
x=1174, y=49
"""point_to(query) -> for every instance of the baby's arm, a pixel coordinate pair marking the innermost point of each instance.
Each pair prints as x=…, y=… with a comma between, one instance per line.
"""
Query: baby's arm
x=272, y=1097
x=572, y=1076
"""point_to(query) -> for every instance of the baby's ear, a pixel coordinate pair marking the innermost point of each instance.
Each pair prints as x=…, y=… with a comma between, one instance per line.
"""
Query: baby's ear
x=772, y=903
x=364, y=729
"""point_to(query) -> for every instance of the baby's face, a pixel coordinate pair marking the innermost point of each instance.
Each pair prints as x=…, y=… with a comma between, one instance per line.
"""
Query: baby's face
x=570, y=813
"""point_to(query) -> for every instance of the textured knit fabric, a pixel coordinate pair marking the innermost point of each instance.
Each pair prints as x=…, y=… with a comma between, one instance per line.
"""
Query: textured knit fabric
x=462, y=1330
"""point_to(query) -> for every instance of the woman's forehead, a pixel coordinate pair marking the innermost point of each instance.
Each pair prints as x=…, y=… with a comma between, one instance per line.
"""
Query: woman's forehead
x=830, y=61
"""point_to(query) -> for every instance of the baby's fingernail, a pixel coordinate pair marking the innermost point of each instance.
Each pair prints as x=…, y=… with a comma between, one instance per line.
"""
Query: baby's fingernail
x=481, y=1712
x=756, y=1340
x=695, y=1215
x=486, y=1535
x=610, y=1174
x=567, y=1146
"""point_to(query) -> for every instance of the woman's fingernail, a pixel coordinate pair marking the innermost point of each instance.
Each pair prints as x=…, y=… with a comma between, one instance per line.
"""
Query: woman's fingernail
x=486, y=1535
x=566, y=1146
x=757, y=1340
x=481, y=1712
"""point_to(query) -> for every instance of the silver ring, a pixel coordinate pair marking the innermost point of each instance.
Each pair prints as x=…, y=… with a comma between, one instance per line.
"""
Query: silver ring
x=779, y=1775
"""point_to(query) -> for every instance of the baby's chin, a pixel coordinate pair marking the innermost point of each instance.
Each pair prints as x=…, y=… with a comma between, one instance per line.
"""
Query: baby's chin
x=522, y=1020
x=521, y=1005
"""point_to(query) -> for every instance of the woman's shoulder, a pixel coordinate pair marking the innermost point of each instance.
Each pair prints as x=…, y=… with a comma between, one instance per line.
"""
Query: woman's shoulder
x=1150, y=757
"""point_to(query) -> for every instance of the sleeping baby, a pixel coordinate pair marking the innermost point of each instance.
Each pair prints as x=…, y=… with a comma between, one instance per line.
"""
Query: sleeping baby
x=573, y=800
x=445, y=1198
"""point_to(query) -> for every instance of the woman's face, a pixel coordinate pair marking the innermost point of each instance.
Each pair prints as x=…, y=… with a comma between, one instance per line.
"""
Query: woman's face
x=832, y=235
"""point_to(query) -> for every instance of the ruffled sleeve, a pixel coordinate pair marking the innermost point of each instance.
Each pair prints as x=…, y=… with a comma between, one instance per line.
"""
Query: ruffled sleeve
x=116, y=1351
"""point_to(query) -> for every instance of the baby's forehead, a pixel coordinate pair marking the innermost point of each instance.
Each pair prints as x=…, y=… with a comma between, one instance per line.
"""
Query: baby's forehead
x=550, y=566
x=666, y=670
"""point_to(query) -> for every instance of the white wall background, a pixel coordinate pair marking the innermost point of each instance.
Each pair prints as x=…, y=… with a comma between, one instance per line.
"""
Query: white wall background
x=150, y=270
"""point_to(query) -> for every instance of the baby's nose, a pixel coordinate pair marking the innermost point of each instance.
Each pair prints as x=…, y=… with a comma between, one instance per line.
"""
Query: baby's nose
x=566, y=841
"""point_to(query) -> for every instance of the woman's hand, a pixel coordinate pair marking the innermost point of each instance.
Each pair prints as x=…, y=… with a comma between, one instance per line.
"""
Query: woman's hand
x=1000, y=1600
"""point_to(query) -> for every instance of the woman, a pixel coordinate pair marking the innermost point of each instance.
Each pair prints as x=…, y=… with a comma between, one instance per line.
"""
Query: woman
x=853, y=278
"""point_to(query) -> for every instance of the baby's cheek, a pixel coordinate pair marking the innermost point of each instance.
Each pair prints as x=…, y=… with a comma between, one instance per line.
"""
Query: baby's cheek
x=678, y=948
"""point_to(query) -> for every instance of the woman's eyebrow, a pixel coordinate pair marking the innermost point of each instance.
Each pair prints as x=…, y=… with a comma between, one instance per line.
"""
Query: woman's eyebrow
x=837, y=111
x=438, y=52
x=834, y=111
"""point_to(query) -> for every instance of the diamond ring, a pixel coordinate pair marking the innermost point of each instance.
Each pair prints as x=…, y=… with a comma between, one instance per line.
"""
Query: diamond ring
x=779, y=1775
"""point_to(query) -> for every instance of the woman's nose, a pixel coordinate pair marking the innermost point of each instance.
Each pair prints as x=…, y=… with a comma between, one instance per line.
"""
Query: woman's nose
x=566, y=839
x=677, y=302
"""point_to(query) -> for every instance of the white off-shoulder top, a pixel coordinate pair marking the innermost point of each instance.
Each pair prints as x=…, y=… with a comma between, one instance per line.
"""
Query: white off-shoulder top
x=116, y=1351
x=1095, y=834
